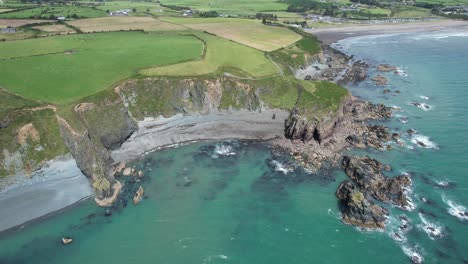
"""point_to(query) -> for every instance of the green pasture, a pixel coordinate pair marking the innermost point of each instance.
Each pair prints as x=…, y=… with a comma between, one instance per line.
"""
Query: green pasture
x=46, y=11
x=220, y=55
x=62, y=69
x=241, y=7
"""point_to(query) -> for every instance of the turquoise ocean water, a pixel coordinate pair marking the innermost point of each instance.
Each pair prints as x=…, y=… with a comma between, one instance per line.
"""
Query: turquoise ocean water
x=239, y=202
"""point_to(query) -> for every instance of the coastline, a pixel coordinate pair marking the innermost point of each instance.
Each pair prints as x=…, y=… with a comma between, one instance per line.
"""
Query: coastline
x=157, y=133
x=56, y=186
x=330, y=35
x=65, y=185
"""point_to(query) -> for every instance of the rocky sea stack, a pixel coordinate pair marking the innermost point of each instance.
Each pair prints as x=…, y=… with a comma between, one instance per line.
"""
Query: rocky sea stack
x=368, y=184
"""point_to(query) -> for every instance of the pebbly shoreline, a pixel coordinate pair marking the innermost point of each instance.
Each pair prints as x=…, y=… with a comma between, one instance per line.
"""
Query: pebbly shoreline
x=157, y=133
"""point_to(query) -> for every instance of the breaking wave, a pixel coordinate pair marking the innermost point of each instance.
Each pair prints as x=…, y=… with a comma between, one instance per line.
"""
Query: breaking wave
x=422, y=106
x=213, y=257
x=423, y=142
x=414, y=253
x=280, y=167
x=401, y=72
x=222, y=150
x=433, y=230
x=459, y=211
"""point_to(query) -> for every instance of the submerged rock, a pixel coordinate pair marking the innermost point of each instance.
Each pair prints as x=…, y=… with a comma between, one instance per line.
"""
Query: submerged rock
x=387, y=68
x=380, y=80
x=138, y=195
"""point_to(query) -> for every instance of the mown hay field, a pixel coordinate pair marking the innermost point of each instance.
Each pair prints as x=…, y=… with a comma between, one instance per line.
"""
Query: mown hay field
x=220, y=56
x=62, y=69
x=245, y=31
x=123, y=23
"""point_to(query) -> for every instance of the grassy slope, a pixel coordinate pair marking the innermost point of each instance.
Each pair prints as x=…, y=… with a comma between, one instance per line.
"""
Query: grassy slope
x=296, y=55
x=220, y=54
x=245, y=31
x=99, y=61
x=13, y=108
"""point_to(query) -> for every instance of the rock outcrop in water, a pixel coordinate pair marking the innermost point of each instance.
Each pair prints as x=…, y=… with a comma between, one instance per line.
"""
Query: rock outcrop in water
x=313, y=141
x=356, y=73
x=358, y=208
x=368, y=183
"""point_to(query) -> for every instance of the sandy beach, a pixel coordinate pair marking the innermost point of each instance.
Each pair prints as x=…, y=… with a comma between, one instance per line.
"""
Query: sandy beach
x=54, y=187
x=155, y=133
x=329, y=35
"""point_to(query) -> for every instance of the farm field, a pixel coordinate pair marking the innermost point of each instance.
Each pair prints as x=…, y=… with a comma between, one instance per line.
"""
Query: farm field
x=19, y=22
x=220, y=55
x=57, y=28
x=444, y=2
x=62, y=69
x=239, y=7
x=123, y=23
x=249, y=32
x=48, y=11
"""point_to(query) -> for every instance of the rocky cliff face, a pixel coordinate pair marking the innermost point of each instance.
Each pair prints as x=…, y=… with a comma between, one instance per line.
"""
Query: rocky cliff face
x=92, y=158
x=168, y=96
x=307, y=128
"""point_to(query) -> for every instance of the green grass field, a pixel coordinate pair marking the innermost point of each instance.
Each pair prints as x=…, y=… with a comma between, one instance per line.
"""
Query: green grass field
x=249, y=32
x=46, y=11
x=239, y=7
x=220, y=55
x=62, y=69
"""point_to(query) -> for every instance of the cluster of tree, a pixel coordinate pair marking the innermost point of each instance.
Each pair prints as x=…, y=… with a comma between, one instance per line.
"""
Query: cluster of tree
x=209, y=14
x=303, y=24
x=300, y=6
x=367, y=2
x=267, y=16
x=268, y=22
x=175, y=7
x=429, y=5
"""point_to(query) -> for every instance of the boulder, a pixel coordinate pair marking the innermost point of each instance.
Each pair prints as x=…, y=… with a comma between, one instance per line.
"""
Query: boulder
x=138, y=195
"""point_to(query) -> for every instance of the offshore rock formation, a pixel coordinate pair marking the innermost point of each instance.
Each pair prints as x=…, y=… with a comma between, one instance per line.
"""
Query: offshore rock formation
x=367, y=174
x=368, y=183
x=358, y=208
x=380, y=80
x=314, y=141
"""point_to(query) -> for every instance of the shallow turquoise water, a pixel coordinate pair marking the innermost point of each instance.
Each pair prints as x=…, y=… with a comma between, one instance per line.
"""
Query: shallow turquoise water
x=207, y=208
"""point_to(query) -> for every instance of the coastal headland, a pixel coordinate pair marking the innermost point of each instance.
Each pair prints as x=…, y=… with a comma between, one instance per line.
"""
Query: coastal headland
x=310, y=116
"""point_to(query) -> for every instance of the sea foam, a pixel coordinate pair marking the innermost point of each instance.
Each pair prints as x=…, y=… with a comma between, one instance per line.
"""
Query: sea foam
x=413, y=253
x=222, y=150
x=280, y=167
x=433, y=230
x=423, y=142
x=459, y=211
